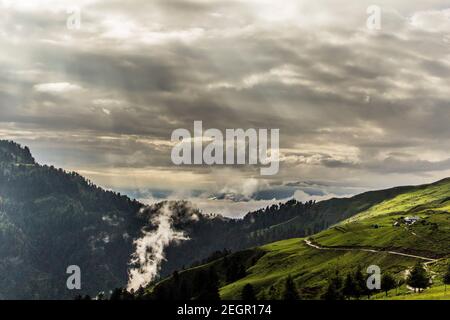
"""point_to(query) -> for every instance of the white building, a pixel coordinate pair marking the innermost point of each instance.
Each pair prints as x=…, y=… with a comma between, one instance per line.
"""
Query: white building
x=412, y=220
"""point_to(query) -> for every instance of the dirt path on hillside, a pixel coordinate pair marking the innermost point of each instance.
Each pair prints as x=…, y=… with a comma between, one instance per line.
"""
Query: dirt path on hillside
x=426, y=260
x=318, y=247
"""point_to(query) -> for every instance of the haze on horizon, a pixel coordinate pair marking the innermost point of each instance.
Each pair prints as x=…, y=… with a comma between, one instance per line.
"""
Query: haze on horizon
x=357, y=109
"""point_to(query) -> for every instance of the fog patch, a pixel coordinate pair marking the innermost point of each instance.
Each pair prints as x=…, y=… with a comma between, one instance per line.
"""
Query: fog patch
x=149, y=248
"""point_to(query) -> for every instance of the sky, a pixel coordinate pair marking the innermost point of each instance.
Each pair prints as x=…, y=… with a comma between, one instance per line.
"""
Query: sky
x=358, y=108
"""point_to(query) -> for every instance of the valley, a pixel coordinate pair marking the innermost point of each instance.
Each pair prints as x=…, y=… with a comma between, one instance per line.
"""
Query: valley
x=51, y=218
x=375, y=236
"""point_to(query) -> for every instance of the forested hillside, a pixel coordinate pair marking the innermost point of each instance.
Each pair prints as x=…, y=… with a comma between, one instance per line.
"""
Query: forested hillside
x=50, y=219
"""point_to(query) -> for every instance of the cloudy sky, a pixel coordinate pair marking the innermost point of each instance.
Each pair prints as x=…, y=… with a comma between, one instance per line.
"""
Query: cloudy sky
x=357, y=108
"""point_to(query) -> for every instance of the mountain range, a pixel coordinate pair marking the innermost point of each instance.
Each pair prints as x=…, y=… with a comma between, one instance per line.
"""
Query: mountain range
x=51, y=219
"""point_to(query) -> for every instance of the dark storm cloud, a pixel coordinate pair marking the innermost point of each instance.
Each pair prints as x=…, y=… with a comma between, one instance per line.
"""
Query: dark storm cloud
x=392, y=165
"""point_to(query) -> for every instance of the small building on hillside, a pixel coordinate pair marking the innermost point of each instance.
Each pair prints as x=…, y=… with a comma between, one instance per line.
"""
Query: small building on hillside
x=411, y=220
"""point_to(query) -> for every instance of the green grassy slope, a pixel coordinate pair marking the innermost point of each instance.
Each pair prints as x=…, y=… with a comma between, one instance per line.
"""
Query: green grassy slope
x=374, y=227
x=345, y=246
x=434, y=197
x=322, y=214
x=309, y=267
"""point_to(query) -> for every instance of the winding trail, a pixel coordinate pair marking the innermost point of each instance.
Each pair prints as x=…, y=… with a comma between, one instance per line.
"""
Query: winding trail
x=428, y=260
x=318, y=247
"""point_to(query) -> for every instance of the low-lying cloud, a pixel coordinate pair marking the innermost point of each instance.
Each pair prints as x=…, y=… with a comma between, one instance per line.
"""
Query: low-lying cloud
x=149, y=248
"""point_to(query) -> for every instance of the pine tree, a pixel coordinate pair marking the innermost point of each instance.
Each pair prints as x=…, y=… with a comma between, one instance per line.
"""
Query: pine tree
x=334, y=289
x=360, y=284
x=388, y=282
x=176, y=277
x=290, y=290
x=418, y=278
x=248, y=293
x=350, y=287
x=184, y=291
x=160, y=293
x=211, y=289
